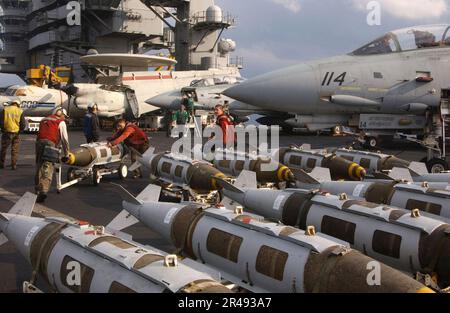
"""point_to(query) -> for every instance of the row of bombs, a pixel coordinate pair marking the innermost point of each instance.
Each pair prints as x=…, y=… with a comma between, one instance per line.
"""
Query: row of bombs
x=304, y=240
x=307, y=170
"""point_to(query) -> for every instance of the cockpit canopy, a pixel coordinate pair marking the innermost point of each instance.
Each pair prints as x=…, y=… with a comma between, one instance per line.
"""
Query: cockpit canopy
x=208, y=82
x=407, y=39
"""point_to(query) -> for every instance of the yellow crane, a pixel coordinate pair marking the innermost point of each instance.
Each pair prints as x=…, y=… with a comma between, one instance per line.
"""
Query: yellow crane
x=45, y=75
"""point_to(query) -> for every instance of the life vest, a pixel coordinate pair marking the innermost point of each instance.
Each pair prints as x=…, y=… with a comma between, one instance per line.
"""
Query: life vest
x=13, y=115
x=229, y=135
x=227, y=119
x=137, y=138
x=49, y=129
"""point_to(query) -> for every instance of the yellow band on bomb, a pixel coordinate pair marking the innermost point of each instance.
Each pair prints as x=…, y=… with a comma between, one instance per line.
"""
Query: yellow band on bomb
x=214, y=181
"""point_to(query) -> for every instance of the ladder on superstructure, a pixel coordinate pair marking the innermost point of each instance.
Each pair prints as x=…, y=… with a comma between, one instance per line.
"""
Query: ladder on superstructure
x=445, y=116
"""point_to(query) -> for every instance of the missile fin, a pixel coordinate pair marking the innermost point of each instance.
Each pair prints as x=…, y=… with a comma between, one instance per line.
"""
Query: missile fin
x=134, y=166
x=418, y=169
x=150, y=194
x=305, y=146
x=401, y=174
x=246, y=180
x=3, y=239
x=229, y=204
x=318, y=175
x=126, y=196
x=228, y=186
x=120, y=222
x=150, y=151
x=25, y=205
x=321, y=174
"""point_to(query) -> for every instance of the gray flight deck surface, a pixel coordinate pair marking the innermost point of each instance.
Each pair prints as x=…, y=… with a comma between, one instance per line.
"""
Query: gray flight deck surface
x=99, y=205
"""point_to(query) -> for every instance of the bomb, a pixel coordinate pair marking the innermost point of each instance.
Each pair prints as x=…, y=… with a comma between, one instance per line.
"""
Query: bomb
x=77, y=257
x=259, y=255
x=306, y=159
x=402, y=239
x=267, y=170
x=200, y=176
x=95, y=154
x=378, y=164
x=430, y=198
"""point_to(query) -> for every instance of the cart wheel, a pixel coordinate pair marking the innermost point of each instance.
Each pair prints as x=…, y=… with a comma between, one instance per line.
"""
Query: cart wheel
x=436, y=166
x=71, y=174
x=371, y=142
x=337, y=130
x=96, y=178
x=123, y=171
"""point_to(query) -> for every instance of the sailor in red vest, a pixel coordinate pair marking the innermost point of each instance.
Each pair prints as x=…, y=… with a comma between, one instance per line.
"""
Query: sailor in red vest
x=52, y=134
x=225, y=123
x=132, y=136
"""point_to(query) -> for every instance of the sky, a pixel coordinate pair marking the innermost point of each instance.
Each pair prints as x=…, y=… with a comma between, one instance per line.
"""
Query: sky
x=272, y=34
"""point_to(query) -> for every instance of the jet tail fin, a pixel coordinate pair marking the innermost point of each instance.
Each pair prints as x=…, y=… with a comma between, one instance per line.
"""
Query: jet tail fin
x=23, y=207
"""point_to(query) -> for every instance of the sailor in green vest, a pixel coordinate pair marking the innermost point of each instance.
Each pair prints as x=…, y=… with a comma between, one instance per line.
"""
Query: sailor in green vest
x=180, y=118
x=12, y=122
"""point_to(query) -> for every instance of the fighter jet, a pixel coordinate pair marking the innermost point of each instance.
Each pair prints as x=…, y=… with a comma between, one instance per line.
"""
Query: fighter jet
x=403, y=72
x=207, y=93
x=123, y=92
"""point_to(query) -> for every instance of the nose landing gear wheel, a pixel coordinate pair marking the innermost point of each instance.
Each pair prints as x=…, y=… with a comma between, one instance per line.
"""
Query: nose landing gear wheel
x=436, y=166
x=371, y=143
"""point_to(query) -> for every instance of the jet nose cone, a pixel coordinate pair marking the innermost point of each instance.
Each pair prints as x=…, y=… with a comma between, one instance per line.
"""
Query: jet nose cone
x=283, y=90
x=167, y=101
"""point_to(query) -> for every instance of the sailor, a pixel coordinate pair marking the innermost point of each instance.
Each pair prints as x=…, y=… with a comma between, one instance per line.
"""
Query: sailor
x=133, y=137
x=226, y=124
x=190, y=107
x=91, y=124
x=12, y=122
x=181, y=117
x=52, y=134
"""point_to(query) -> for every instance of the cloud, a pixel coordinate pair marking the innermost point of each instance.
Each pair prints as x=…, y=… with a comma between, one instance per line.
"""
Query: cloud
x=260, y=59
x=291, y=5
x=409, y=9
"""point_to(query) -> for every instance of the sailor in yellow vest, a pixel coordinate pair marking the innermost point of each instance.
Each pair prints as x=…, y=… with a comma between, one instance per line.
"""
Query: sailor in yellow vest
x=12, y=122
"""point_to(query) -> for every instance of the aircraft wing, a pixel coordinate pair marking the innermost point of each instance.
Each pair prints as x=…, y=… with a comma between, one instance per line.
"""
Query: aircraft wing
x=124, y=59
